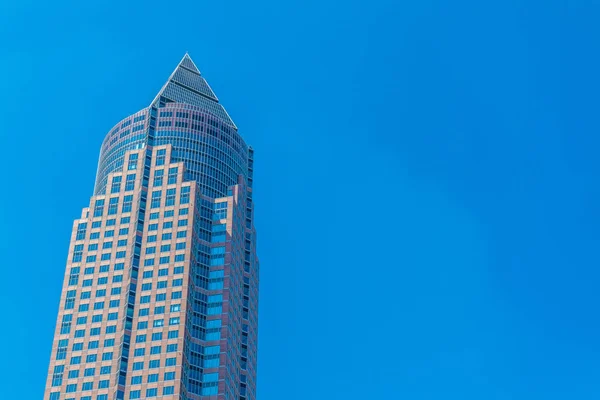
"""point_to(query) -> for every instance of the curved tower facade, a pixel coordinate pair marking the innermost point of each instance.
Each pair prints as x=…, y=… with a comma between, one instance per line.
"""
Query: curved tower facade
x=160, y=296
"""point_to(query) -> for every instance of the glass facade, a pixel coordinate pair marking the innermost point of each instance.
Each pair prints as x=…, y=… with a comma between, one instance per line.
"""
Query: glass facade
x=160, y=296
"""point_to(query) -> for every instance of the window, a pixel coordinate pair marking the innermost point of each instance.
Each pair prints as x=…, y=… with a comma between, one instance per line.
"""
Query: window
x=100, y=292
x=79, y=333
x=94, y=331
x=87, y=386
x=81, y=229
x=77, y=346
x=110, y=222
x=119, y=266
x=177, y=282
x=178, y=270
x=170, y=199
x=103, y=385
x=111, y=329
x=132, y=164
x=93, y=344
x=168, y=390
x=151, y=392
x=112, y=304
x=175, y=295
x=156, y=196
x=138, y=365
x=163, y=272
x=75, y=360
x=154, y=364
x=103, y=280
x=107, y=356
x=147, y=274
x=169, y=213
x=159, y=310
x=167, y=224
x=94, y=235
x=173, y=334
x=144, y=299
x=74, y=373
x=160, y=157
x=139, y=352
x=116, y=185
x=142, y=325
x=174, y=321
x=175, y=307
x=157, y=336
x=184, y=211
x=104, y=268
x=161, y=285
x=136, y=380
x=135, y=394
x=91, y=358
x=140, y=339
x=105, y=370
x=158, y=177
x=107, y=245
x=169, y=376
x=97, y=318
x=172, y=176
x=130, y=182
x=158, y=323
x=143, y=312
x=98, y=207
x=184, y=196
x=127, y=202
x=89, y=372
x=165, y=247
x=172, y=348
x=169, y=362
x=117, y=278
x=152, y=378
x=71, y=388
x=113, y=316
x=109, y=233
x=112, y=205
x=115, y=290
x=109, y=342
x=125, y=220
x=123, y=231
x=161, y=297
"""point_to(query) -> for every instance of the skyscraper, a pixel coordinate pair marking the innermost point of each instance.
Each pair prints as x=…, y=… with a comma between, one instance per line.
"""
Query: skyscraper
x=160, y=295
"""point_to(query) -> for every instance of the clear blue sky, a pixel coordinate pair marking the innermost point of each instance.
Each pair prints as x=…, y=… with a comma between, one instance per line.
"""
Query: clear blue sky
x=427, y=182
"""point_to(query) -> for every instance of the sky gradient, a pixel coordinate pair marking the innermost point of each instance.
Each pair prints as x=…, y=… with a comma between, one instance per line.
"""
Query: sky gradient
x=426, y=177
